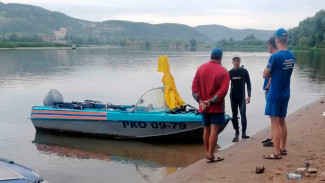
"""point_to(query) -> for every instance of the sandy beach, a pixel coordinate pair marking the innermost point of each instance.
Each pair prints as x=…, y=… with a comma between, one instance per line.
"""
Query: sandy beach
x=306, y=143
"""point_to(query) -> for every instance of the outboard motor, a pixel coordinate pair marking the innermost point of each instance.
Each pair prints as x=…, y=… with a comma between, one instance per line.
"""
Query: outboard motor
x=53, y=96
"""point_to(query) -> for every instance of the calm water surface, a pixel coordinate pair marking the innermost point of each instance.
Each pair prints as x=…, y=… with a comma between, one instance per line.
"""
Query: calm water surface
x=120, y=76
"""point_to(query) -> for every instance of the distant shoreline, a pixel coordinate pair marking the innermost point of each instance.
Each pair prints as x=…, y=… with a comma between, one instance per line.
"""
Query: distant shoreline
x=60, y=46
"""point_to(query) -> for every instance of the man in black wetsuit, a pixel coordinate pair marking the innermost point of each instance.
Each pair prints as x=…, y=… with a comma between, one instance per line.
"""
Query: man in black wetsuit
x=239, y=76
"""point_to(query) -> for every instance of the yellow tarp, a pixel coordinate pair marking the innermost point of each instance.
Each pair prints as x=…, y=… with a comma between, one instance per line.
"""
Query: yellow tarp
x=172, y=97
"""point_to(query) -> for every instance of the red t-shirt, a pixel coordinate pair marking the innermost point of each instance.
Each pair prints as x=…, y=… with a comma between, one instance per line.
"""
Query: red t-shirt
x=211, y=79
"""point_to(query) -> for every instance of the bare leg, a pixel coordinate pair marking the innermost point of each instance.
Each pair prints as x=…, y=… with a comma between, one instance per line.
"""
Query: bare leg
x=206, y=136
x=271, y=135
x=276, y=132
x=284, y=133
x=213, y=139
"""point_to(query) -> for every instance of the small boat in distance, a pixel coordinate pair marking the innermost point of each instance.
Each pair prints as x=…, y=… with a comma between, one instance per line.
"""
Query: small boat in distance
x=15, y=173
x=73, y=46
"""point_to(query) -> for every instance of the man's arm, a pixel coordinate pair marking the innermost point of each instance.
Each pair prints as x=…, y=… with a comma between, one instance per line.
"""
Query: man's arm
x=268, y=84
x=196, y=97
x=249, y=87
x=267, y=70
x=267, y=73
x=248, y=83
x=196, y=87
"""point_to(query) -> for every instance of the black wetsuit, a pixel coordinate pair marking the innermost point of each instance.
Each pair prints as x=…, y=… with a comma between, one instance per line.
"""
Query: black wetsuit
x=239, y=76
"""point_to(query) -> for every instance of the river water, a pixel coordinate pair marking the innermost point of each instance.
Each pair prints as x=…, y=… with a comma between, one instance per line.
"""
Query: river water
x=120, y=76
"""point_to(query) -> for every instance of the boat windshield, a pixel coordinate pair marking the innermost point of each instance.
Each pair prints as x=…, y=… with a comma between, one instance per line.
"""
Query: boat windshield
x=152, y=100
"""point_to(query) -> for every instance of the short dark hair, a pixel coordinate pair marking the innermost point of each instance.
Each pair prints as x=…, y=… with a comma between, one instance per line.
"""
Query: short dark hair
x=271, y=42
x=217, y=57
x=283, y=40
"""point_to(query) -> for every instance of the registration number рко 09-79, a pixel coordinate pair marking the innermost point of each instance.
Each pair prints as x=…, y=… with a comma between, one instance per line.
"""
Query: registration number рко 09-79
x=154, y=125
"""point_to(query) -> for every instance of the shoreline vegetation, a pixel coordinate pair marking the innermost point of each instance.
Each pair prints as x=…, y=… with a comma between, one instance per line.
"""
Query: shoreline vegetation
x=9, y=44
x=17, y=45
x=305, y=144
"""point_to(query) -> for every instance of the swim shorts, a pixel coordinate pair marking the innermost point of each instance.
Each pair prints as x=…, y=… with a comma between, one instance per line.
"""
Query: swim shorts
x=278, y=108
x=213, y=118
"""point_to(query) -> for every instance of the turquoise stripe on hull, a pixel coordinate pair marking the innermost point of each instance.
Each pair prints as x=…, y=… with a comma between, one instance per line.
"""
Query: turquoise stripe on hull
x=117, y=115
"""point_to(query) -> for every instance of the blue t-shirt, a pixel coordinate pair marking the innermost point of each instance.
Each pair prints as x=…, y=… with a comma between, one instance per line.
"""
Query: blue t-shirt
x=281, y=64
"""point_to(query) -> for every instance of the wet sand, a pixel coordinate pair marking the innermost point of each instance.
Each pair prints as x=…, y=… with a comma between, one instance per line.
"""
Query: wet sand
x=306, y=143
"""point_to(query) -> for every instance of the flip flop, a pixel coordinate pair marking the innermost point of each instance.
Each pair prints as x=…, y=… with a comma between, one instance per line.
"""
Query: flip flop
x=220, y=159
x=273, y=156
x=283, y=152
x=212, y=159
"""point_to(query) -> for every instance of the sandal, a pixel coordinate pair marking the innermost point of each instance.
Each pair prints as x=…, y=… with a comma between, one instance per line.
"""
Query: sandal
x=220, y=159
x=283, y=152
x=273, y=156
x=212, y=159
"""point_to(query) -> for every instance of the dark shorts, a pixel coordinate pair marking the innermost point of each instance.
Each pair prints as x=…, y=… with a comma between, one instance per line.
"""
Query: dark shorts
x=278, y=109
x=213, y=118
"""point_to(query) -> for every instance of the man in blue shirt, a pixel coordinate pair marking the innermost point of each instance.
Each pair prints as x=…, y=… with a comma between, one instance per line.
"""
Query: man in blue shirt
x=271, y=46
x=279, y=68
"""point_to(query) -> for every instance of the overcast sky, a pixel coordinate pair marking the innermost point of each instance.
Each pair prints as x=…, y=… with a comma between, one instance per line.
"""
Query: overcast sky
x=237, y=14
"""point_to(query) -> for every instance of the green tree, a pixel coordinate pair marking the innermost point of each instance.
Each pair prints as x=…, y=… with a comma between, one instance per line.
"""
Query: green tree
x=311, y=41
x=223, y=42
x=123, y=41
x=231, y=41
x=193, y=43
x=303, y=41
x=147, y=44
x=178, y=44
x=312, y=28
x=251, y=40
x=14, y=38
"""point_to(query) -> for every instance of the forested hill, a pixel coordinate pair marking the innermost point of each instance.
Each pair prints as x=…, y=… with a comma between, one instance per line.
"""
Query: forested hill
x=310, y=32
x=219, y=32
x=27, y=20
x=146, y=31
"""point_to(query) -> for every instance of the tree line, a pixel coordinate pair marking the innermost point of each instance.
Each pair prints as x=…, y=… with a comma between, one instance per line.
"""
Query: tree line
x=124, y=41
x=310, y=32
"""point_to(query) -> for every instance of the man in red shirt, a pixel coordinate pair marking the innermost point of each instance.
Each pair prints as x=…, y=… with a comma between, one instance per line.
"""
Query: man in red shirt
x=209, y=88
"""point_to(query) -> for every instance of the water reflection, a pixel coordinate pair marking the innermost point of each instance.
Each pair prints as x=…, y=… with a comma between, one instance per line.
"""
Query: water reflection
x=312, y=63
x=129, y=152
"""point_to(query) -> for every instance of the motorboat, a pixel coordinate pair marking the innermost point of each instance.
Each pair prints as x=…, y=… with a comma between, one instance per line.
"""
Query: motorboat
x=146, y=119
x=159, y=114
